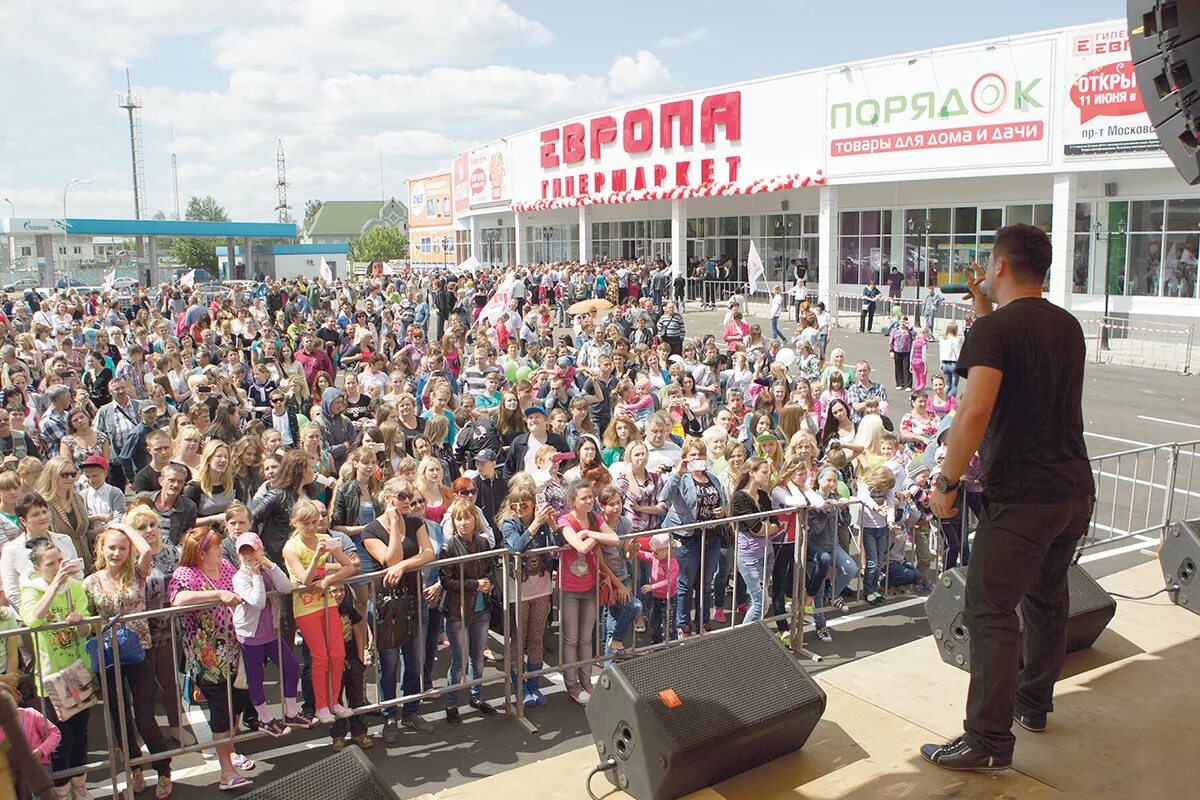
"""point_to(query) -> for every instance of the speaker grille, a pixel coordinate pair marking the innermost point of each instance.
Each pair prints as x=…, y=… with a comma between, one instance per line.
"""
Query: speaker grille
x=722, y=685
x=1085, y=594
x=349, y=775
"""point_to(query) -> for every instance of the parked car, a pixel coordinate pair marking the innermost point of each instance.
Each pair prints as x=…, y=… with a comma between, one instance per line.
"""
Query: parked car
x=21, y=284
x=68, y=283
x=125, y=283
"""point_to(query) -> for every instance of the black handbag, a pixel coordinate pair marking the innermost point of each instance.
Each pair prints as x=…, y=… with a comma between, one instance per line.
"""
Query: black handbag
x=395, y=619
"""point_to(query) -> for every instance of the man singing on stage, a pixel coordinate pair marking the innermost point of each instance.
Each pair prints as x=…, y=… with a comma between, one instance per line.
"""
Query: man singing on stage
x=1022, y=409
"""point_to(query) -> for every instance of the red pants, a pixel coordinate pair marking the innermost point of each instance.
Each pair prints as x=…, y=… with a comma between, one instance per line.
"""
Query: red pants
x=324, y=641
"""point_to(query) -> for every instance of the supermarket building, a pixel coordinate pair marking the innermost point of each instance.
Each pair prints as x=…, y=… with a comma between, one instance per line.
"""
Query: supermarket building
x=911, y=161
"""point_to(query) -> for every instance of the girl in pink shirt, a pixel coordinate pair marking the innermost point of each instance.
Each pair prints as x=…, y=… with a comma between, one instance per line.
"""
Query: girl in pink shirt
x=735, y=332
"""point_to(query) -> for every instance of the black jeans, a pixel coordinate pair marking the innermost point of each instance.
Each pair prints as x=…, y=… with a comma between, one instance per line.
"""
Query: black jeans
x=866, y=319
x=903, y=376
x=1021, y=555
x=140, y=691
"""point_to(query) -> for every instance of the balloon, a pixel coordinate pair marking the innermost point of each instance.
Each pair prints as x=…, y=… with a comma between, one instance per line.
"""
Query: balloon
x=510, y=372
x=843, y=490
x=523, y=373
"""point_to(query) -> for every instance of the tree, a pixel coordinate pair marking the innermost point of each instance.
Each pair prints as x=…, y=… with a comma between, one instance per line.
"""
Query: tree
x=160, y=215
x=205, y=210
x=310, y=212
x=195, y=254
x=382, y=243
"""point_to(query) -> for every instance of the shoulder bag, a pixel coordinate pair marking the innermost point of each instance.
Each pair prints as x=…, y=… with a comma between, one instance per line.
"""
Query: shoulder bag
x=128, y=646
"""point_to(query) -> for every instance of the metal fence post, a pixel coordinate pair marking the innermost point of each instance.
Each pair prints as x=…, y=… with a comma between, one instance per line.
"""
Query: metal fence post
x=1169, y=502
x=1187, y=353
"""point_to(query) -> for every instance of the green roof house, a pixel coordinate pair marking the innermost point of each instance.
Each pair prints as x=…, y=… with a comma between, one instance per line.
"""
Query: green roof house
x=343, y=220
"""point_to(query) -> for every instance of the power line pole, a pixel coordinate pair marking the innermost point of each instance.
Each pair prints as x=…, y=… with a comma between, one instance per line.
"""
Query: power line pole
x=174, y=173
x=282, y=208
x=133, y=106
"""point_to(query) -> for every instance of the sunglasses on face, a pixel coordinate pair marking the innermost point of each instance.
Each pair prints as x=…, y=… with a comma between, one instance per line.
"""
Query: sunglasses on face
x=68, y=475
x=467, y=493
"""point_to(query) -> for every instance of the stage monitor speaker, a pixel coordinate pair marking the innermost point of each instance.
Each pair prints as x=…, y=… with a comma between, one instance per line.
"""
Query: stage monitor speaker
x=348, y=775
x=1178, y=556
x=689, y=716
x=1090, y=610
x=1164, y=46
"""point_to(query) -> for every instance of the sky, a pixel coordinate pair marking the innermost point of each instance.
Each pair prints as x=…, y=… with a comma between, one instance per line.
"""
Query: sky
x=411, y=84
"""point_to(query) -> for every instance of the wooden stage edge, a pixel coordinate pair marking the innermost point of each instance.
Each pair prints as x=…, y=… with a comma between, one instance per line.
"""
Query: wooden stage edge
x=1123, y=726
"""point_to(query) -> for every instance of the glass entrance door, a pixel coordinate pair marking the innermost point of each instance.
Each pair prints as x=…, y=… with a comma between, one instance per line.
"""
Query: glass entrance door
x=661, y=249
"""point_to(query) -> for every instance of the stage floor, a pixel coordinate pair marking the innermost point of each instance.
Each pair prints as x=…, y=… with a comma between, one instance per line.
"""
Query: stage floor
x=1124, y=725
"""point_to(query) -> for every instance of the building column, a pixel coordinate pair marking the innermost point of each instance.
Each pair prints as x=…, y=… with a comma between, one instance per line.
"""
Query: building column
x=249, y=260
x=585, y=235
x=46, y=244
x=476, y=249
x=828, y=246
x=678, y=238
x=1062, y=239
x=150, y=278
x=519, y=224
x=230, y=259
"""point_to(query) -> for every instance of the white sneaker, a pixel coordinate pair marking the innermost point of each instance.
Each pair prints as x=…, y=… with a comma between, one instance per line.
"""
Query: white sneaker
x=340, y=710
x=582, y=697
x=323, y=716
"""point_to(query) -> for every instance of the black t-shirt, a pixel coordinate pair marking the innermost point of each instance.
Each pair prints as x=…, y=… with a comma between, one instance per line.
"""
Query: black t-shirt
x=409, y=548
x=1033, y=449
x=358, y=410
x=146, y=480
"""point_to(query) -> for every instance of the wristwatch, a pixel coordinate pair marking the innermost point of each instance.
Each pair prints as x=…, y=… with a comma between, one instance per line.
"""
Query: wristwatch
x=942, y=485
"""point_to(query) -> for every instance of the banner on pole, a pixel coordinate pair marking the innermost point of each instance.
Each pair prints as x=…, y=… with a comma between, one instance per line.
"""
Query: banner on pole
x=326, y=270
x=496, y=307
x=754, y=268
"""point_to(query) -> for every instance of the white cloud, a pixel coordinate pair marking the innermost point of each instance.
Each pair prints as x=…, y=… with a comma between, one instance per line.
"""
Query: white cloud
x=698, y=34
x=641, y=72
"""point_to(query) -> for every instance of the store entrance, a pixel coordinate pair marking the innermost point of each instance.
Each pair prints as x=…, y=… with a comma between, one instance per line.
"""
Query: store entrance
x=661, y=249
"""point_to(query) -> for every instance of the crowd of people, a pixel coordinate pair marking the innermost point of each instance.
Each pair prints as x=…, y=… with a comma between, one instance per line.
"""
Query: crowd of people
x=171, y=449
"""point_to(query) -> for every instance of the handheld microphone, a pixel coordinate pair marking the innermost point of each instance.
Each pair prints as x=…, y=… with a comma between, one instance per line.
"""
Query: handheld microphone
x=954, y=288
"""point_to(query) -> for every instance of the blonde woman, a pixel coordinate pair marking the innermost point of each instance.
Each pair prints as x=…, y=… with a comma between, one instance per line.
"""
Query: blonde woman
x=430, y=484
x=68, y=511
x=118, y=586
x=213, y=489
x=316, y=563
x=189, y=442
x=324, y=473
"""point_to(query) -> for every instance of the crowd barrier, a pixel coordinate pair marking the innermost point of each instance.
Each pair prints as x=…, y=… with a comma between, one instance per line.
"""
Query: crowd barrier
x=1139, y=493
x=1125, y=342
x=847, y=310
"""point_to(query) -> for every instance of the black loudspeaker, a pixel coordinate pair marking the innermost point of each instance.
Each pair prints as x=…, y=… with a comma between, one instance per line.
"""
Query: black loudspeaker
x=1164, y=45
x=348, y=775
x=686, y=717
x=1178, y=555
x=1090, y=610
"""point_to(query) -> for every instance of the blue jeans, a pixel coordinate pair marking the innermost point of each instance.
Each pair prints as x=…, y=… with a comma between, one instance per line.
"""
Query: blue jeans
x=389, y=671
x=724, y=570
x=901, y=573
x=775, y=330
x=618, y=619
x=815, y=578
x=433, y=635
x=694, y=587
x=875, y=545
x=950, y=376
x=753, y=571
x=847, y=570
x=468, y=640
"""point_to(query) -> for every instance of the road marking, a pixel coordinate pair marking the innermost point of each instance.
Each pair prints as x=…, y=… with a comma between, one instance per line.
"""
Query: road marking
x=1169, y=422
x=1122, y=441
x=1141, y=482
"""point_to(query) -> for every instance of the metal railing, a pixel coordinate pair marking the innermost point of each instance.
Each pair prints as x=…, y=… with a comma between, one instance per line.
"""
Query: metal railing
x=847, y=312
x=1156, y=345
x=1139, y=493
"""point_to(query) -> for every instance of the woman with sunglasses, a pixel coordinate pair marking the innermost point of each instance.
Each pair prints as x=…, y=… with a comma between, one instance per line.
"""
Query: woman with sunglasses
x=68, y=511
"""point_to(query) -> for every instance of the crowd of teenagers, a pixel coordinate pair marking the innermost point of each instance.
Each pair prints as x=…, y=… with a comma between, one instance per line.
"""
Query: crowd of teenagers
x=172, y=449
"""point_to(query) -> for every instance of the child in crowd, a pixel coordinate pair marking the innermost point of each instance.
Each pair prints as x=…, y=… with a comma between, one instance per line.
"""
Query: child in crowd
x=254, y=621
x=919, y=516
x=951, y=529
x=42, y=735
x=636, y=401
x=920, y=351
x=877, y=493
x=895, y=458
x=824, y=508
x=352, y=675
x=664, y=577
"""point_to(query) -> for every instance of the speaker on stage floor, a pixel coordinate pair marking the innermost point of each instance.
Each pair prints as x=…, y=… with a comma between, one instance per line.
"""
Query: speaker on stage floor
x=1178, y=556
x=1164, y=46
x=1091, y=609
x=348, y=775
x=688, y=716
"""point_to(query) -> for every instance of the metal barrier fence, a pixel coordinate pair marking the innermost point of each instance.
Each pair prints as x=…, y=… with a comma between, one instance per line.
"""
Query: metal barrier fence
x=847, y=312
x=1156, y=345
x=1139, y=492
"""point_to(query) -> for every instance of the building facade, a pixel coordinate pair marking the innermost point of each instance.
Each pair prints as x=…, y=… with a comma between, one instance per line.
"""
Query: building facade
x=340, y=221
x=912, y=162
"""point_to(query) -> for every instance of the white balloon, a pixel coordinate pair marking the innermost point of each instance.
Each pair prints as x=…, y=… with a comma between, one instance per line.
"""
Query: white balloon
x=785, y=356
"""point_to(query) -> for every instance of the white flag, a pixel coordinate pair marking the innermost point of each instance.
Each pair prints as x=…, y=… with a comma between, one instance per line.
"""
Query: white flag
x=754, y=268
x=188, y=279
x=496, y=307
x=326, y=270
x=109, y=280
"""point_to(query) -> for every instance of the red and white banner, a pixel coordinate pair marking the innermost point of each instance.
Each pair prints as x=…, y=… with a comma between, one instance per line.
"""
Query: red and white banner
x=1102, y=111
x=498, y=304
x=754, y=267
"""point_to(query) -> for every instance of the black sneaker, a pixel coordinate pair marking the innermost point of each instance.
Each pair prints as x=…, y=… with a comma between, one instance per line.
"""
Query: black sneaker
x=300, y=720
x=391, y=730
x=958, y=755
x=275, y=728
x=483, y=708
x=452, y=716
x=416, y=722
x=1034, y=723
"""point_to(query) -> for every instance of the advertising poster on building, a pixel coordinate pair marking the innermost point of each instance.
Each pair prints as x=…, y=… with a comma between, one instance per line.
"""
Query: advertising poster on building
x=432, y=248
x=462, y=186
x=490, y=175
x=945, y=111
x=1102, y=109
x=430, y=202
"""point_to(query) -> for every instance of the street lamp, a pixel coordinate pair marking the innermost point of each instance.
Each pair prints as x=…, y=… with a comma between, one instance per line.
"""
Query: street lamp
x=446, y=241
x=547, y=234
x=12, y=209
x=491, y=237
x=782, y=229
x=70, y=183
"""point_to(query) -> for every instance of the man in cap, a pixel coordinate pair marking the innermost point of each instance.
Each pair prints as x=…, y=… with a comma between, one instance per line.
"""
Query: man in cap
x=522, y=451
x=490, y=488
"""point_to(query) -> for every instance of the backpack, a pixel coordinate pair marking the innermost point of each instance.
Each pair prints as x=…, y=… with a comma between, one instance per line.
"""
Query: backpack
x=475, y=438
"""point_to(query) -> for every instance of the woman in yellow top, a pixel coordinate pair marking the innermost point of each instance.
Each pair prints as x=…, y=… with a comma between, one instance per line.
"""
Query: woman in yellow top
x=308, y=553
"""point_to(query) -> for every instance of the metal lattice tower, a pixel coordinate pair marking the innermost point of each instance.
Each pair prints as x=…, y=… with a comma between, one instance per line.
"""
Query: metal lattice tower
x=133, y=106
x=281, y=185
x=174, y=173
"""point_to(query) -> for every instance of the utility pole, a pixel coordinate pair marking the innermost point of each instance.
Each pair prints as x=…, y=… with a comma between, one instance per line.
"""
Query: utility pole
x=281, y=208
x=133, y=106
x=174, y=173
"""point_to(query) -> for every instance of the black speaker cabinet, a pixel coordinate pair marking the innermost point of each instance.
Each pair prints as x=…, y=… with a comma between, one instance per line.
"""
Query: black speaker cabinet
x=1091, y=609
x=1178, y=555
x=1164, y=46
x=348, y=775
x=689, y=716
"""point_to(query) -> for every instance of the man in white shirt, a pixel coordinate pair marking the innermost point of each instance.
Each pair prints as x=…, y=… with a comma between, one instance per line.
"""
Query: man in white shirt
x=664, y=454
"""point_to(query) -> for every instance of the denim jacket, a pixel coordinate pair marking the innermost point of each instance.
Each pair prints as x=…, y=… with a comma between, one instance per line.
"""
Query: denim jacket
x=679, y=494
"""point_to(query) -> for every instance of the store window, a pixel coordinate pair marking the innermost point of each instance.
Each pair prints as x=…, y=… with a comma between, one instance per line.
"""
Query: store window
x=864, y=245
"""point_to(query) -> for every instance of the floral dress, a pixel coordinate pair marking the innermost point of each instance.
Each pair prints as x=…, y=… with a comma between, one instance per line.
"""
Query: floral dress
x=79, y=452
x=130, y=600
x=210, y=643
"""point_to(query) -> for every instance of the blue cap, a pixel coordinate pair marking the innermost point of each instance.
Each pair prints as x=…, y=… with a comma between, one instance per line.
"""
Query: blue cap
x=536, y=410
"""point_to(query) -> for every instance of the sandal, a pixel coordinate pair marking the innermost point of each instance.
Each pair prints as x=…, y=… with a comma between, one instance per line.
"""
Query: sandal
x=241, y=763
x=163, y=789
x=137, y=781
x=234, y=783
